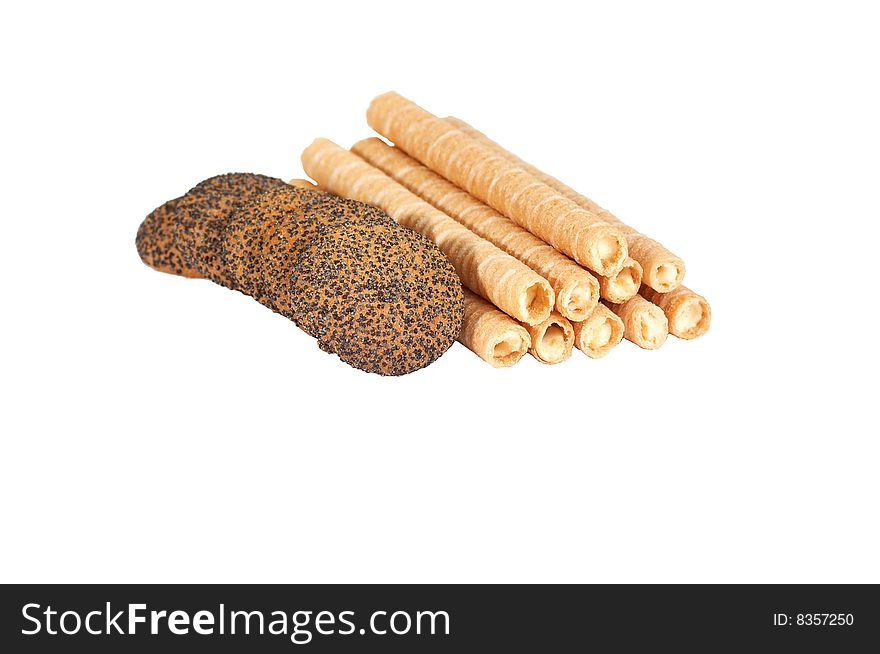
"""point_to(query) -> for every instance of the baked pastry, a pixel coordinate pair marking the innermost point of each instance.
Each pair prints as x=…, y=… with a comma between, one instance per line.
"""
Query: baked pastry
x=380, y=296
x=552, y=339
x=504, y=186
x=644, y=323
x=660, y=268
x=599, y=333
x=184, y=235
x=688, y=313
x=203, y=215
x=156, y=244
x=491, y=334
x=249, y=227
x=292, y=218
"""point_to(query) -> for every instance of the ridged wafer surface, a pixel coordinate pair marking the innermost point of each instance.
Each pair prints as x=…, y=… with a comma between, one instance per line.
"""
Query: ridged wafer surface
x=662, y=269
x=508, y=188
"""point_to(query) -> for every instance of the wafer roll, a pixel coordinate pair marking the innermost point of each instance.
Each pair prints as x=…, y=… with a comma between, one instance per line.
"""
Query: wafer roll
x=485, y=269
x=599, y=333
x=552, y=339
x=644, y=323
x=663, y=271
x=304, y=183
x=506, y=187
x=491, y=334
x=688, y=313
x=577, y=291
x=624, y=284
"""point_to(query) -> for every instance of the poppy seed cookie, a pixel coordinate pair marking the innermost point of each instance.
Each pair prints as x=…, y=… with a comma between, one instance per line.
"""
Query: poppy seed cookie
x=290, y=226
x=184, y=235
x=156, y=245
x=380, y=296
x=251, y=226
x=203, y=214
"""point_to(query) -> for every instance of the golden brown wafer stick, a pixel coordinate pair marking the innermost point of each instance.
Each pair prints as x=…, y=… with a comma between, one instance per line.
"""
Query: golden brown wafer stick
x=577, y=291
x=644, y=323
x=599, y=333
x=485, y=269
x=663, y=270
x=491, y=334
x=506, y=187
x=688, y=313
x=304, y=183
x=552, y=339
x=624, y=284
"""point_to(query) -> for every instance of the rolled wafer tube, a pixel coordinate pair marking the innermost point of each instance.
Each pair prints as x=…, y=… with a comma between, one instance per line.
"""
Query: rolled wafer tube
x=485, y=269
x=546, y=213
x=552, y=339
x=663, y=271
x=644, y=323
x=688, y=313
x=599, y=333
x=491, y=334
x=624, y=284
x=577, y=291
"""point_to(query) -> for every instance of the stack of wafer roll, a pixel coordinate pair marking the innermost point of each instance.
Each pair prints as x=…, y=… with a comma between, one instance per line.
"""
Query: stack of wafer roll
x=545, y=268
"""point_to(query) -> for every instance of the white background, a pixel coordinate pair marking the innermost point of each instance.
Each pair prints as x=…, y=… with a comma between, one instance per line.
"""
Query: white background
x=162, y=429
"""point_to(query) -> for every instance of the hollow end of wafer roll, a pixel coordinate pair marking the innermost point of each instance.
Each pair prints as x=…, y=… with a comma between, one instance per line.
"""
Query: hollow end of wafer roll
x=665, y=275
x=624, y=285
x=491, y=334
x=599, y=333
x=576, y=300
x=608, y=251
x=508, y=349
x=537, y=302
x=502, y=347
x=688, y=313
x=552, y=339
x=644, y=323
x=649, y=327
x=689, y=316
